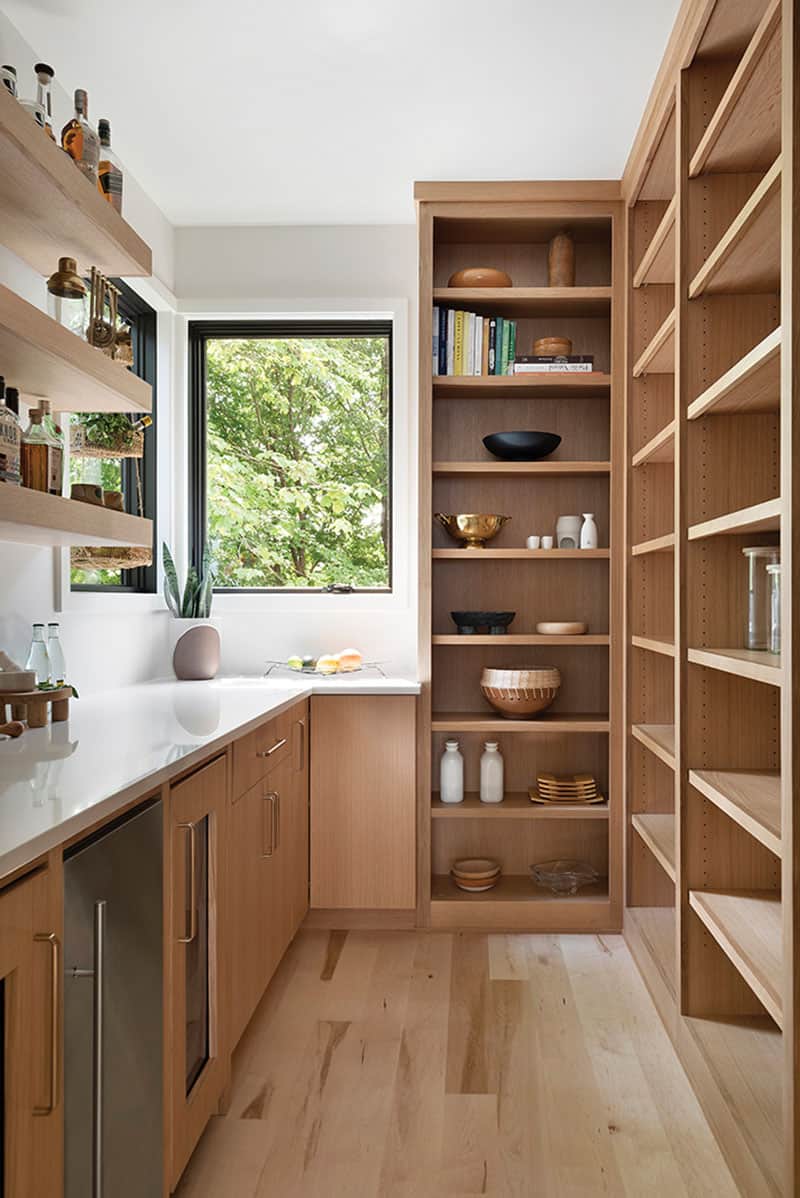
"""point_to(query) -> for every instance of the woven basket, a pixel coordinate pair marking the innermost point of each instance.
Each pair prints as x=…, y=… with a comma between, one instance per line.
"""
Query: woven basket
x=81, y=447
x=120, y=557
x=520, y=694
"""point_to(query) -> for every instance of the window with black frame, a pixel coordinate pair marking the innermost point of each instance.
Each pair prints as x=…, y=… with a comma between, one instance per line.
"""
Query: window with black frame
x=108, y=449
x=291, y=453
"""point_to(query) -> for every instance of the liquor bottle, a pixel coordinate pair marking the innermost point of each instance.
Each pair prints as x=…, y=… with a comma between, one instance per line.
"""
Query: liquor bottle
x=79, y=139
x=8, y=78
x=58, y=665
x=10, y=435
x=53, y=428
x=109, y=171
x=42, y=455
x=41, y=109
x=38, y=657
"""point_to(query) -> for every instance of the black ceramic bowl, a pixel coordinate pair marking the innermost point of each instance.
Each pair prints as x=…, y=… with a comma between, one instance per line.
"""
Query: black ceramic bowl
x=521, y=446
x=468, y=622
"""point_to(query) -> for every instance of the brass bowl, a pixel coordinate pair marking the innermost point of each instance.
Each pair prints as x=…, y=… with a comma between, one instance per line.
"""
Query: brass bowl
x=472, y=529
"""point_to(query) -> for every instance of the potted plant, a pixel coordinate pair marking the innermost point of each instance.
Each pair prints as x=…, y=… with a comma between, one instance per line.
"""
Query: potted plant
x=194, y=639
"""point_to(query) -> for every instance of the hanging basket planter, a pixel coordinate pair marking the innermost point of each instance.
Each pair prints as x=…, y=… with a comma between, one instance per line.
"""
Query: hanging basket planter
x=125, y=445
x=92, y=557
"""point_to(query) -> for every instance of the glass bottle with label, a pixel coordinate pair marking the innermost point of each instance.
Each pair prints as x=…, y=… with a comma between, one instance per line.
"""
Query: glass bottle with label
x=42, y=454
x=38, y=657
x=58, y=666
x=109, y=171
x=79, y=139
x=10, y=435
x=41, y=109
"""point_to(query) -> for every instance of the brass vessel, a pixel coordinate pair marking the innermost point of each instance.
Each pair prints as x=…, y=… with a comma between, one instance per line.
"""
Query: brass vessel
x=472, y=529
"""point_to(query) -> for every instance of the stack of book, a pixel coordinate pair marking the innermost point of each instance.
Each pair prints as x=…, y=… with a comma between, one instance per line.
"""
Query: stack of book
x=560, y=364
x=466, y=343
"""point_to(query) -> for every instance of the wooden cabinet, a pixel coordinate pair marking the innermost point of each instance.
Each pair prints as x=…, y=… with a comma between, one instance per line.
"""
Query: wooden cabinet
x=268, y=860
x=363, y=801
x=30, y=982
x=199, y=1057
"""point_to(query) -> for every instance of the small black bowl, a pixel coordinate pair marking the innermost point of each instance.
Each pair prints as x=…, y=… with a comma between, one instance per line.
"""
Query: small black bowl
x=521, y=446
x=468, y=622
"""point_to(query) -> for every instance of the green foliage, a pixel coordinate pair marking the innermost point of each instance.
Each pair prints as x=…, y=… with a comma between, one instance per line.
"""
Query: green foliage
x=298, y=461
x=107, y=472
x=111, y=430
x=197, y=593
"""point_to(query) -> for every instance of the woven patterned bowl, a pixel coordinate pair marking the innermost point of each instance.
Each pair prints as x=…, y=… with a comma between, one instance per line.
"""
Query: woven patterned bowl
x=520, y=694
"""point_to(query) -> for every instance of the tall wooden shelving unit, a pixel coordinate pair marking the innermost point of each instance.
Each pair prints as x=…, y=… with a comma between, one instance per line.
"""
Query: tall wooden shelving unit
x=712, y=845
x=509, y=226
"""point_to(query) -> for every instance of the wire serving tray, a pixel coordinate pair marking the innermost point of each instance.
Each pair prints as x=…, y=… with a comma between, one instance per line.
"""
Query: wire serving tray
x=273, y=666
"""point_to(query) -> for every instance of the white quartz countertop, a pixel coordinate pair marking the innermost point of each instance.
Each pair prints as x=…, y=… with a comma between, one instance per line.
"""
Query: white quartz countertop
x=117, y=746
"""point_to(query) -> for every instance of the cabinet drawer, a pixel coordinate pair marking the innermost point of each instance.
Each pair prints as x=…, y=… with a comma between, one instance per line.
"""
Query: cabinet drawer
x=259, y=752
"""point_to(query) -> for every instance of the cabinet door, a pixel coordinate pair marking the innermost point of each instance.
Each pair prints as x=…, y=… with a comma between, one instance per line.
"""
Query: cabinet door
x=30, y=1003
x=199, y=1058
x=363, y=806
x=296, y=823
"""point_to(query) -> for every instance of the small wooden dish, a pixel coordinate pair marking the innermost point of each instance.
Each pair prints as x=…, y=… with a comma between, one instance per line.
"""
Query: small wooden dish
x=480, y=276
x=32, y=706
x=552, y=347
x=561, y=628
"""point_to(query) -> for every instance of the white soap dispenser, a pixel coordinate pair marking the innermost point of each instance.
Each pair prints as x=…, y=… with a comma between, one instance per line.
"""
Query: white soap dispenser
x=451, y=774
x=491, y=773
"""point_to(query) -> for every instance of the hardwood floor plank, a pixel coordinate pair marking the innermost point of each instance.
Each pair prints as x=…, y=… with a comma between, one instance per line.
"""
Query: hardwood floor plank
x=336, y=942
x=469, y=1145
x=470, y=1058
x=508, y=958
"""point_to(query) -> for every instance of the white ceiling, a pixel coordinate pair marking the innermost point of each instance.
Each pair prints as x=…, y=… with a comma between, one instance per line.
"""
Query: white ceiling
x=326, y=111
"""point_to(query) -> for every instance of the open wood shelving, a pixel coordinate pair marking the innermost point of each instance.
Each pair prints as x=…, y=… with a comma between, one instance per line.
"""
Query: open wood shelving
x=516, y=806
x=752, y=798
x=589, y=385
x=658, y=261
x=657, y=830
x=748, y=928
x=36, y=518
x=760, y=517
x=659, y=739
x=747, y=258
x=527, y=301
x=753, y=384
x=658, y=356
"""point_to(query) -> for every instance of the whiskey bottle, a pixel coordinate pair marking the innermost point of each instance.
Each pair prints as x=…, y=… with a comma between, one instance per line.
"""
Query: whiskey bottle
x=79, y=139
x=10, y=435
x=42, y=455
x=109, y=171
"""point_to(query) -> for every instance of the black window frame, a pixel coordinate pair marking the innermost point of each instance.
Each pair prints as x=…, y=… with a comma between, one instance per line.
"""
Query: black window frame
x=200, y=332
x=143, y=580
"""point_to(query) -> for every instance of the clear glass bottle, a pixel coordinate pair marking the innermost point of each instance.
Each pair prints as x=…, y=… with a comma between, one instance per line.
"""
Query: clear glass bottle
x=8, y=78
x=758, y=609
x=38, y=657
x=491, y=773
x=774, y=574
x=42, y=455
x=10, y=435
x=451, y=774
x=67, y=297
x=79, y=139
x=58, y=666
x=41, y=109
x=109, y=171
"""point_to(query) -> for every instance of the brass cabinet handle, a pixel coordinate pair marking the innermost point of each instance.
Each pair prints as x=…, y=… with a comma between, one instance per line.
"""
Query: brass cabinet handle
x=271, y=798
x=277, y=820
x=268, y=753
x=51, y=939
x=192, y=830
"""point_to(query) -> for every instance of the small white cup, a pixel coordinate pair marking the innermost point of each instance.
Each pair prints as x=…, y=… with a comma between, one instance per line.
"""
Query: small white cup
x=533, y=542
x=547, y=542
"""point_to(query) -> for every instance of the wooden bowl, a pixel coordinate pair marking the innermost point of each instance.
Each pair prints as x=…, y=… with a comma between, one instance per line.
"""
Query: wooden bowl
x=561, y=628
x=475, y=868
x=520, y=694
x=552, y=347
x=480, y=276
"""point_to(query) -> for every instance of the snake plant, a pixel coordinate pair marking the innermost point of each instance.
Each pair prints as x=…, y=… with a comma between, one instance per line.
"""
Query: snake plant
x=195, y=603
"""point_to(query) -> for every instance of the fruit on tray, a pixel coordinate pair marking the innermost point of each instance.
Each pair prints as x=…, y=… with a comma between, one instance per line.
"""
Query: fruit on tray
x=349, y=659
x=329, y=663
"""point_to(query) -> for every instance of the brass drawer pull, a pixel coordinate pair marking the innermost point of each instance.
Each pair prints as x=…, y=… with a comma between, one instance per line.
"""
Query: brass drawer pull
x=278, y=745
x=271, y=798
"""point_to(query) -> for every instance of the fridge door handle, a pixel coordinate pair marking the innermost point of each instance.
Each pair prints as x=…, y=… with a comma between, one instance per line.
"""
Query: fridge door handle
x=97, y=1045
x=192, y=830
x=52, y=939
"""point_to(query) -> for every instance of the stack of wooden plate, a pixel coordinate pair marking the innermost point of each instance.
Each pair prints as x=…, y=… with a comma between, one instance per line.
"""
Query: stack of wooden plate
x=570, y=788
x=475, y=873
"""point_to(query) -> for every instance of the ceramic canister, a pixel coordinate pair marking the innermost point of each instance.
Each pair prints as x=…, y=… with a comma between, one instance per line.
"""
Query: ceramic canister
x=568, y=532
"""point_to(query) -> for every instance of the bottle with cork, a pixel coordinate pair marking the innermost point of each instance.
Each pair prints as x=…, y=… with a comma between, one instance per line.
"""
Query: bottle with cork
x=42, y=454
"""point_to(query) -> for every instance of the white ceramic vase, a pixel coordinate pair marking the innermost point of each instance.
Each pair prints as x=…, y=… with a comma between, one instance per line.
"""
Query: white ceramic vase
x=588, y=531
x=194, y=647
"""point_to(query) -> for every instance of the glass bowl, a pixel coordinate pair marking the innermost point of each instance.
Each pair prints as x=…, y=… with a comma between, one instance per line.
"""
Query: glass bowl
x=564, y=877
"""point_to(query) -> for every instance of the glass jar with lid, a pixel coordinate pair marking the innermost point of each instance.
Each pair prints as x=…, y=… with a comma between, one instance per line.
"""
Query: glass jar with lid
x=759, y=557
x=774, y=575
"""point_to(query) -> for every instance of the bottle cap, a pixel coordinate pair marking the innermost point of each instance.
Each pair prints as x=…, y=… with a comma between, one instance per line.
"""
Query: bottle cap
x=81, y=101
x=490, y=744
x=451, y=744
x=66, y=283
x=42, y=68
x=12, y=399
x=38, y=625
x=104, y=131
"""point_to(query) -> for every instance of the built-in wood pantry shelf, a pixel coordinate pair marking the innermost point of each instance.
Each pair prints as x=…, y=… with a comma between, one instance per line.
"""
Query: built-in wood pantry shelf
x=748, y=927
x=527, y=301
x=753, y=384
x=745, y=663
x=49, y=210
x=542, y=725
x=660, y=448
x=471, y=555
x=568, y=385
x=46, y=361
x=752, y=798
x=761, y=517
x=747, y=258
x=34, y=518
x=657, y=830
x=658, y=356
x=656, y=928
x=519, y=469
x=654, y=644
x=515, y=806
x=513, y=888
x=456, y=640
x=661, y=544
x=744, y=133
x=659, y=739
x=658, y=260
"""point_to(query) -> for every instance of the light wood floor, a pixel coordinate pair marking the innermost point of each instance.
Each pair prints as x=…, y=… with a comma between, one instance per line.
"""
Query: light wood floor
x=405, y=1065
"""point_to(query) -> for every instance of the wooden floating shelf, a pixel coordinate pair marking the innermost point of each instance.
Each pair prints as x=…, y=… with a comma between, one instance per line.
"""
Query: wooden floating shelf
x=47, y=361
x=660, y=448
x=744, y=134
x=471, y=555
x=35, y=518
x=520, y=469
x=656, y=545
x=519, y=638
x=49, y=210
x=761, y=517
x=752, y=798
x=543, y=725
x=745, y=663
x=654, y=644
x=659, y=739
x=659, y=356
x=657, y=831
x=747, y=258
x=515, y=806
x=569, y=385
x=753, y=384
x=748, y=927
x=656, y=928
x=658, y=261
x=527, y=301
